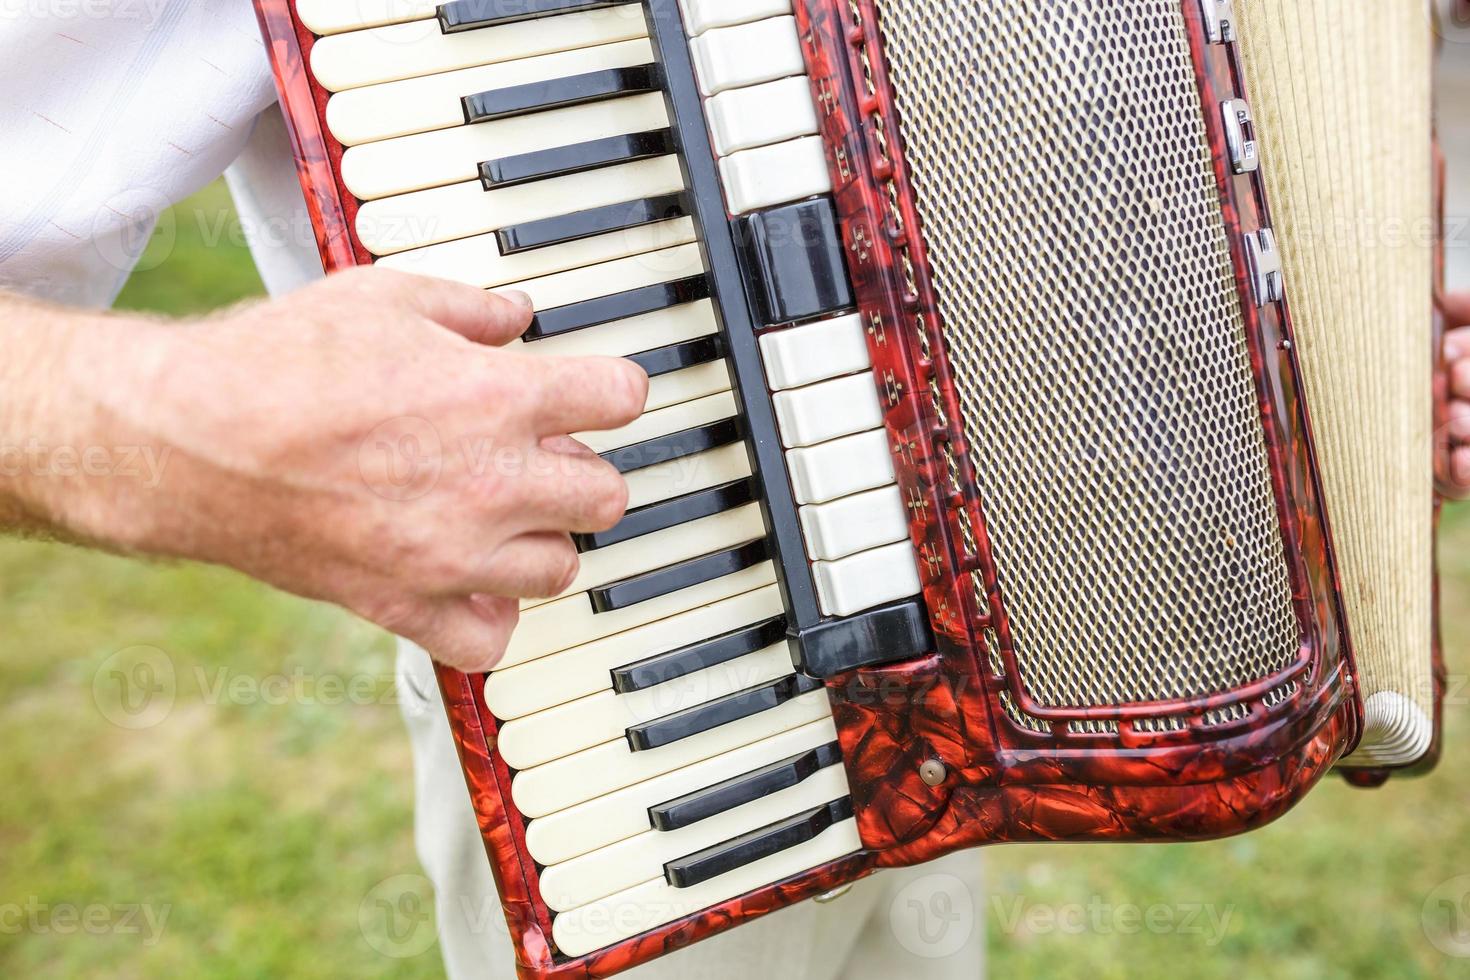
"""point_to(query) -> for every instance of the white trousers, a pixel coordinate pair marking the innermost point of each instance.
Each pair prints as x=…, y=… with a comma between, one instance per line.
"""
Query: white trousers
x=919, y=922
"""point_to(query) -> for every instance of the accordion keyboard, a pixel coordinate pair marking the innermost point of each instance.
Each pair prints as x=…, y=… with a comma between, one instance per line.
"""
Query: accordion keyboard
x=667, y=755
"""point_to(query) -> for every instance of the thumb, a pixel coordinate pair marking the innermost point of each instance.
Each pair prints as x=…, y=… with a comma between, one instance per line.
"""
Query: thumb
x=468, y=633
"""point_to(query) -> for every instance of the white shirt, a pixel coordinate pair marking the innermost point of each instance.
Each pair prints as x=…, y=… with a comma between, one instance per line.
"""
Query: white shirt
x=115, y=109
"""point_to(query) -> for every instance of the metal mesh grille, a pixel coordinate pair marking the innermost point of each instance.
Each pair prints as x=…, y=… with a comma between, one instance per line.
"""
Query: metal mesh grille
x=1074, y=229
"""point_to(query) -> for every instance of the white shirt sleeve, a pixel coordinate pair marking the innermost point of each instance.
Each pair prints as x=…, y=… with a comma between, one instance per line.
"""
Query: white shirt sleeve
x=111, y=111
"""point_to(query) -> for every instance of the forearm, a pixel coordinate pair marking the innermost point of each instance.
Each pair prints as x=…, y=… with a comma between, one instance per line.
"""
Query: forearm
x=68, y=464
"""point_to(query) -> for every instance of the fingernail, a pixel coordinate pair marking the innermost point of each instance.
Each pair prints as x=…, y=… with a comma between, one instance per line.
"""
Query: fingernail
x=517, y=297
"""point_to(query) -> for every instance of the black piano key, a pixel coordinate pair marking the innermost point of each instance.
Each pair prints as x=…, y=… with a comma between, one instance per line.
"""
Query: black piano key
x=721, y=711
x=675, y=445
x=618, y=306
x=740, y=790
x=720, y=649
x=762, y=843
x=899, y=631
x=577, y=158
x=677, y=357
x=559, y=93
x=651, y=585
x=593, y=221
x=671, y=513
x=469, y=15
x=793, y=260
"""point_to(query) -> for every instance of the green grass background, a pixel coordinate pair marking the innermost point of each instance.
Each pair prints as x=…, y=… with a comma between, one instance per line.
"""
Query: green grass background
x=261, y=827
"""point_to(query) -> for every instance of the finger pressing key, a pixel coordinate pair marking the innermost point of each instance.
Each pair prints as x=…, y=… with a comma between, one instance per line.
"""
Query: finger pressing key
x=571, y=492
x=577, y=394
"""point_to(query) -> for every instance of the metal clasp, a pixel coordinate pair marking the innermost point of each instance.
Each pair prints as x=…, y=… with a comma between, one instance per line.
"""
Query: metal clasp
x=1219, y=20
x=1267, y=273
x=1240, y=131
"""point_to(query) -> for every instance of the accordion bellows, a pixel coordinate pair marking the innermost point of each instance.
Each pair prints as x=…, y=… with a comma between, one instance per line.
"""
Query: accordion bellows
x=1344, y=116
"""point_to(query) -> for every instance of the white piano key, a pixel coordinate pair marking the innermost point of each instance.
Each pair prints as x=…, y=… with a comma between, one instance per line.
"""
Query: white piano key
x=417, y=105
x=613, y=765
x=761, y=114
x=335, y=16
x=478, y=262
x=441, y=214
x=514, y=692
x=868, y=579
x=588, y=722
x=409, y=50
x=841, y=467
x=651, y=425
x=623, y=813
x=771, y=175
x=803, y=355
x=570, y=622
x=828, y=410
x=680, y=476
x=593, y=281
x=852, y=524
x=654, y=903
x=639, y=859
x=448, y=156
x=701, y=15
x=718, y=532
x=687, y=384
x=747, y=54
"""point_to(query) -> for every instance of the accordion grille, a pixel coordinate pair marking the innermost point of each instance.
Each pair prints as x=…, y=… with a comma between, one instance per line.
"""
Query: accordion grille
x=1072, y=217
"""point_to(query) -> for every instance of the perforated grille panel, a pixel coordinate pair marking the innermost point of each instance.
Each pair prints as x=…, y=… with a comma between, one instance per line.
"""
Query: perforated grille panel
x=1074, y=230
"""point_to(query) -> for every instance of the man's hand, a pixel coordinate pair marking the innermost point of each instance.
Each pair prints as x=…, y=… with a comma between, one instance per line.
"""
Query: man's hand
x=366, y=441
x=1457, y=354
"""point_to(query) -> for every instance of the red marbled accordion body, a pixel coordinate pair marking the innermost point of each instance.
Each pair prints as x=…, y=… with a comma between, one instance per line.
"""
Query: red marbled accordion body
x=1004, y=782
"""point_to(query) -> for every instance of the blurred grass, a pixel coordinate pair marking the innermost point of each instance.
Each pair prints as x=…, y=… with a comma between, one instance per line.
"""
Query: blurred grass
x=261, y=827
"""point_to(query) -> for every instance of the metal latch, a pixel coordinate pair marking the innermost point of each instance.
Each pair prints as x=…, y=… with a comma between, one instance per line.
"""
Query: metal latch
x=1219, y=20
x=1240, y=132
x=1267, y=274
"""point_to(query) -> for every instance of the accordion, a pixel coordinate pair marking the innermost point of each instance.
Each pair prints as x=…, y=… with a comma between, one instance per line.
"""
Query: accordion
x=1041, y=437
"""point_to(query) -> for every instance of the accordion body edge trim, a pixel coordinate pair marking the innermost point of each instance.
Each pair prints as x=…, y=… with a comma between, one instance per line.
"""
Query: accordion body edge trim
x=1087, y=773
